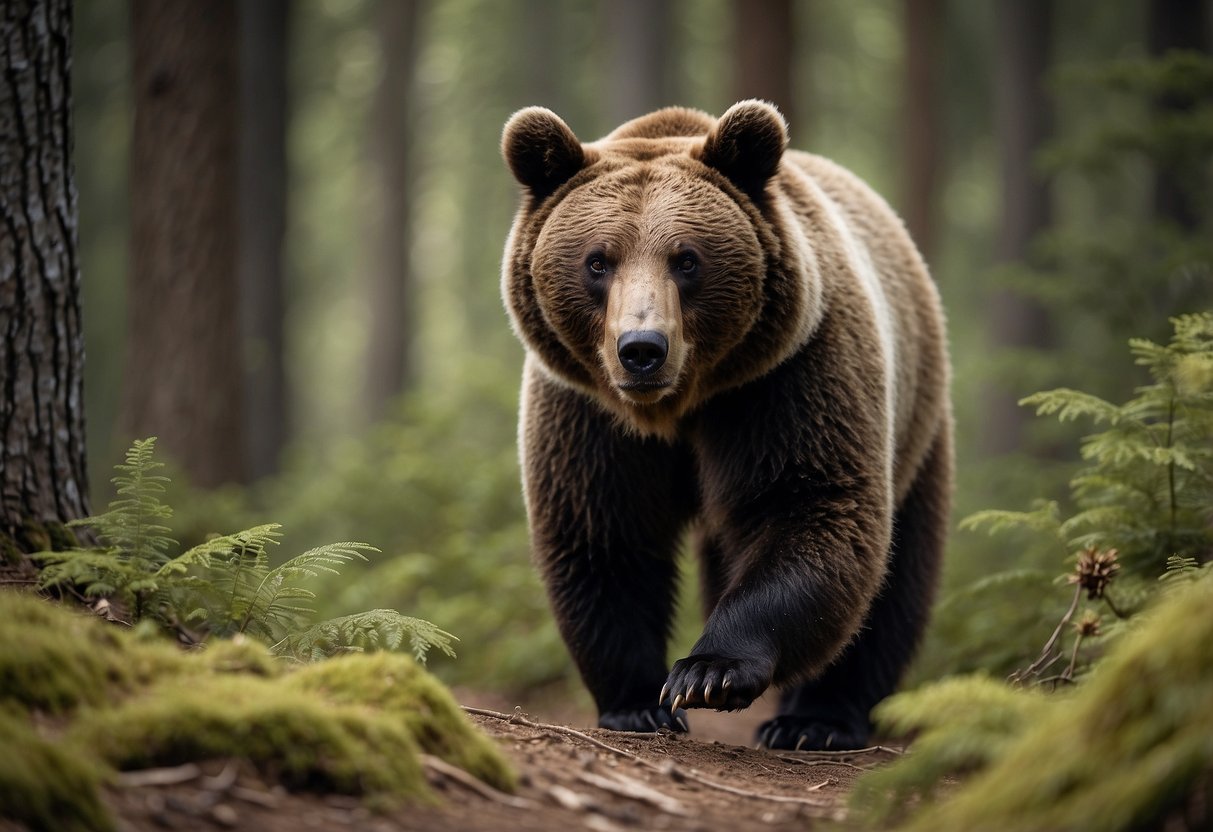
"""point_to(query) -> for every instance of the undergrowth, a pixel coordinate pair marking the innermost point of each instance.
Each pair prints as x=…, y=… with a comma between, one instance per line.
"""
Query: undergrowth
x=81, y=699
x=223, y=587
x=1110, y=726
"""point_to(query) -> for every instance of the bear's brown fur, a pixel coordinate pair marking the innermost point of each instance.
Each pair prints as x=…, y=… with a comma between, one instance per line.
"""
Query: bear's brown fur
x=726, y=335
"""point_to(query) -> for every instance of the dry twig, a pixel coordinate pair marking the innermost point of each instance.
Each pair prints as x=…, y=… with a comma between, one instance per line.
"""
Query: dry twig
x=636, y=790
x=468, y=781
x=159, y=776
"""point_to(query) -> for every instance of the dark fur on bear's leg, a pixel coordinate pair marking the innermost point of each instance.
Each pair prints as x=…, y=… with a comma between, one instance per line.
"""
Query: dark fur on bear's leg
x=832, y=711
x=607, y=511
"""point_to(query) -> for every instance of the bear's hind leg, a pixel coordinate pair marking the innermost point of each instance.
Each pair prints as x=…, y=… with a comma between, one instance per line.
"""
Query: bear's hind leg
x=832, y=710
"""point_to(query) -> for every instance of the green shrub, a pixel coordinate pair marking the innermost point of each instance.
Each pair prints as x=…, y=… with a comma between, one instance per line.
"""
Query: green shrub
x=224, y=586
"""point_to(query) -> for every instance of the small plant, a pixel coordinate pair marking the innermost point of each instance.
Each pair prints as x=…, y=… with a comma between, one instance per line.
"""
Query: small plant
x=223, y=587
x=1144, y=500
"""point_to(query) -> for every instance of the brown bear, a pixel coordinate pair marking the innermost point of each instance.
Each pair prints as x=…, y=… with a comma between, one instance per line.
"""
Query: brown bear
x=726, y=336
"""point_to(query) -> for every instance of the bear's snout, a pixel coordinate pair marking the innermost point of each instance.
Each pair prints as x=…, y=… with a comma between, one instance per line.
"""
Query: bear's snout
x=642, y=352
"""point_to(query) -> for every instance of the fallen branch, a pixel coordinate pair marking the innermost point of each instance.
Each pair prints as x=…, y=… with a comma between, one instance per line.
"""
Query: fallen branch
x=823, y=763
x=468, y=781
x=636, y=790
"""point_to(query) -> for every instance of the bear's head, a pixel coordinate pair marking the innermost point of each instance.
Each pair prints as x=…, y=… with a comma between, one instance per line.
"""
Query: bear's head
x=655, y=267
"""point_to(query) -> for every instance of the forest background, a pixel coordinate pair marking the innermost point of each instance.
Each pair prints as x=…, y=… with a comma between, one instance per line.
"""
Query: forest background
x=348, y=370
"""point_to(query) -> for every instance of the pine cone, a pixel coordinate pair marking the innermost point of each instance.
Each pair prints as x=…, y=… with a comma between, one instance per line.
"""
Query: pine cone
x=1095, y=570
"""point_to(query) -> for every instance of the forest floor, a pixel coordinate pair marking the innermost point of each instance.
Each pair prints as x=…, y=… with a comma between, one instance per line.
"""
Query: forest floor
x=569, y=778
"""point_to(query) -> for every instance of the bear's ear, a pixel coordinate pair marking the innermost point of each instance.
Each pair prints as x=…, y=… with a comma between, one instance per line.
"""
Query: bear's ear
x=541, y=150
x=747, y=144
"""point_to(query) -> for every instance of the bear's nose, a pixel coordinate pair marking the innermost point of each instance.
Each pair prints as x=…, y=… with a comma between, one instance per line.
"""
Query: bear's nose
x=643, y=351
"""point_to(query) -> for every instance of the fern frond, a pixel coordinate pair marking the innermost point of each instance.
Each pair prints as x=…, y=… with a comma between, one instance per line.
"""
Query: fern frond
x=239, y=545
x=134, y=523
x=1045, y=519
x=1069, y=405
x=366, y=632
x=278, y=586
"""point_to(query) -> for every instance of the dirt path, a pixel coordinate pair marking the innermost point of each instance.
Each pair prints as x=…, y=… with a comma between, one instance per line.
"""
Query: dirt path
x=570, y=778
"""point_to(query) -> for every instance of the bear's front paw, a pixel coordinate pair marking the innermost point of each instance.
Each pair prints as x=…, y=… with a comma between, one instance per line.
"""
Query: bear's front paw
x=800, y=733
x=644, y=720
x=706, y=680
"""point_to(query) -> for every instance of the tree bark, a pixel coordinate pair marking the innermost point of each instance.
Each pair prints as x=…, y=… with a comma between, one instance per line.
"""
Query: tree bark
x=920, y=121
x=390, y=293
x=641, y=74
x=43, y=481
x=1023, y=121
x=764, y=50
x=183, y=378
x=264, y=27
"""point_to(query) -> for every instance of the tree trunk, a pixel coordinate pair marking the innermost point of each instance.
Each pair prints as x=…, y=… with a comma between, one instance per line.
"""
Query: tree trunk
x=1023, y=122
x=264, y=27
x=43, y=482
x=641, y=72
x=1176, y=25
x=390, y=294
x=920, y=120
x=764, y=49
x=183, y=370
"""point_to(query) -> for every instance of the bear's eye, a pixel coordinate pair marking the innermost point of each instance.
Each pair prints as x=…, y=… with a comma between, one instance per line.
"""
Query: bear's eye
x=687, y=264
x=597, y=265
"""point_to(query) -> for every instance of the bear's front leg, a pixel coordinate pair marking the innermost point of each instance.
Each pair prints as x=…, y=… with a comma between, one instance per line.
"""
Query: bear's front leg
x=795, y=479
x=606, y=512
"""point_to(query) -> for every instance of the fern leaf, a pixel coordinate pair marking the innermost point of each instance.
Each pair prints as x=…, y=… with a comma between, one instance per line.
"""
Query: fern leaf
x=278, y=586
x=250, y=540
x=1069, y=405
x=367, y=631
x=1045, y=519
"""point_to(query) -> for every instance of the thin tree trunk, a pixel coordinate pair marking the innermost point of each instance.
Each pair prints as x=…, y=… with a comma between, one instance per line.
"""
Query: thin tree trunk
x=641, y=56
x=43, y=482
x=1023, y=122
x=920, y=120
x=390, y=295
x=1176, y=25
x=183, y=370
x=764, y=44
x=264, y=27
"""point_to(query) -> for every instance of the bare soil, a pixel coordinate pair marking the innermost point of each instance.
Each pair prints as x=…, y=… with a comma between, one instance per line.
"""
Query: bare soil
x=571, y=777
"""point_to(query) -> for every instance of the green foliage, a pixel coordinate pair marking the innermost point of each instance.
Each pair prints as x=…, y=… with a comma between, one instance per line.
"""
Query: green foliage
x=374, y=630
x=1145, y=493
x=1130, y=749
x=962, y=725
x=225, y=586
x=437, y=486
x=355, y=724
x=1147, y=489
x=1115, y=263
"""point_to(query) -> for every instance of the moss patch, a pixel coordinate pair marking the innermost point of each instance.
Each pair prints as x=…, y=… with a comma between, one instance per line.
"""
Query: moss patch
x=353, y=725
x=395, y=685
x=53, y=660
x=1130, y=749
x=292, y=736
x=44, y=786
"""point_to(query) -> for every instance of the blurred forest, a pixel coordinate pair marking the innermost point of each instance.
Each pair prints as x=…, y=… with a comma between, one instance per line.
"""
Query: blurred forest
x=332, y=354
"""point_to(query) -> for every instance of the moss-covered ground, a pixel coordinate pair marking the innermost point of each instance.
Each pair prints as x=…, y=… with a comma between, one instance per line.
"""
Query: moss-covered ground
x=81, y=698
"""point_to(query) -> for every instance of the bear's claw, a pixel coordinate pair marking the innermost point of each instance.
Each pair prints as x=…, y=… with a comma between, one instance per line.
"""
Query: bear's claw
x=644, y=720
x=798, y=733
x=711, y=681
